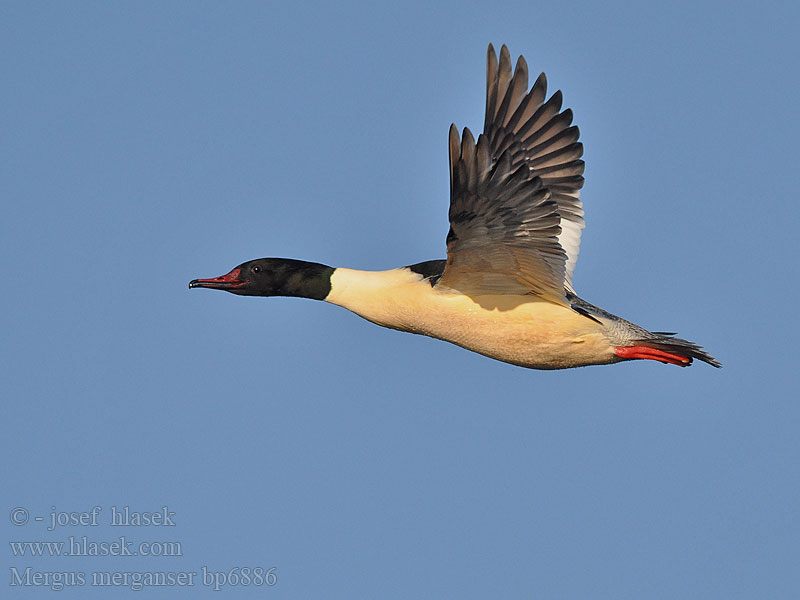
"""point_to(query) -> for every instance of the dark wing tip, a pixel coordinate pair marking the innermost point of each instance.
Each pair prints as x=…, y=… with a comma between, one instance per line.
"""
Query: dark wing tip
x=522, y=66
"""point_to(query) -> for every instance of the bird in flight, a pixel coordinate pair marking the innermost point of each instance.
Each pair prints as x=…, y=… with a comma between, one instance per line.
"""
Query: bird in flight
x=505, y=290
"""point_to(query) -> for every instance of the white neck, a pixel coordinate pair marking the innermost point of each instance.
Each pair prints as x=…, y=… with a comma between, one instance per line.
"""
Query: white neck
x=388, y=298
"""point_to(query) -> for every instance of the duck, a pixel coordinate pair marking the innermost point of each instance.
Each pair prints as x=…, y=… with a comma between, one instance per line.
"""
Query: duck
x=516, y=217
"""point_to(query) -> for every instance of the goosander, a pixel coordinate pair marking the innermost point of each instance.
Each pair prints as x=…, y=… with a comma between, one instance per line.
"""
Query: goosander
x=505, y=290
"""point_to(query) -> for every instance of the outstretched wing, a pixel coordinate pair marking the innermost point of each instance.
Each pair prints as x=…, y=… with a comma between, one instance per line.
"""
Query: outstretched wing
x=515, y=210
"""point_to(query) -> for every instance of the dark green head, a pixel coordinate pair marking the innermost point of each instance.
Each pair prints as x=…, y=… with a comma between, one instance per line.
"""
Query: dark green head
x=273, y=277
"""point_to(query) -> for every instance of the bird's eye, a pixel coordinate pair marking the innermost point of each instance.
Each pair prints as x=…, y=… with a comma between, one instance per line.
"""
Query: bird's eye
x=256, y=269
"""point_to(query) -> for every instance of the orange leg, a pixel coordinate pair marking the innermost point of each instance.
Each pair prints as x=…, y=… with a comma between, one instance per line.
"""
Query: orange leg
x=652, y=354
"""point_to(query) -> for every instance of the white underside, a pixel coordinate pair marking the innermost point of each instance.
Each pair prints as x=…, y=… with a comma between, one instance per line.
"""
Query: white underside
x=522, y=330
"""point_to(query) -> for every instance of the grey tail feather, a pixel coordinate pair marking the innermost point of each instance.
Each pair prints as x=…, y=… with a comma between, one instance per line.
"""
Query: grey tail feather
x=628, y=333
x=667, y=343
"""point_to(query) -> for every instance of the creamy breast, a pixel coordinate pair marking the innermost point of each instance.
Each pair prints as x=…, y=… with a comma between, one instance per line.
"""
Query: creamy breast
x=522, y=330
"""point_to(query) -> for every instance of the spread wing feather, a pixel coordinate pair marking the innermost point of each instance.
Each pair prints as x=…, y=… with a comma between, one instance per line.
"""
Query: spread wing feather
x=515, y=210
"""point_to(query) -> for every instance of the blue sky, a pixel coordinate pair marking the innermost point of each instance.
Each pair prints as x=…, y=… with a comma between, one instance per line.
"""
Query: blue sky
x=146, y=144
